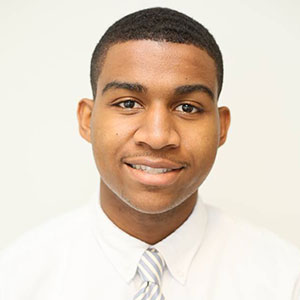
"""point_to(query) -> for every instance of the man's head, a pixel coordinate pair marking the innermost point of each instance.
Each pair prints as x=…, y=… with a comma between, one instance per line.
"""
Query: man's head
x=156, y=24
x=154, y=123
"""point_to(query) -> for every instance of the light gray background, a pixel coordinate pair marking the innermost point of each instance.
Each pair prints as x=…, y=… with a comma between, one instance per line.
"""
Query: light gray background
x=47, y=169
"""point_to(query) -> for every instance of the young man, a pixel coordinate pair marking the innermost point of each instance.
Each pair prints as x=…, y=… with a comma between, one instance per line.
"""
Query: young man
x=155, y=127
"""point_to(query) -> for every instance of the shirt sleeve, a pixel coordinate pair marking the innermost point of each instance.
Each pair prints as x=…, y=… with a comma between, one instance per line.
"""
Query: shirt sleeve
x=296, y=293
x=1, y=288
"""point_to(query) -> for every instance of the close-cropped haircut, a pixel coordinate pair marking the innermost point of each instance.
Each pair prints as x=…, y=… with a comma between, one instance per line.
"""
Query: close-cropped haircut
x=156, y=24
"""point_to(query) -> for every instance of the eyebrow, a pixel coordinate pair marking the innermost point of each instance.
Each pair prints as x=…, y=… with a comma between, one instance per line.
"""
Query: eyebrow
x=135, y=87
x=186, y=89
x=180, y=90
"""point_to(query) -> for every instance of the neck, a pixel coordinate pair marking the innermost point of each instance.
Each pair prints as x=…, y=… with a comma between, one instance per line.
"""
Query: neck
x=150, y=228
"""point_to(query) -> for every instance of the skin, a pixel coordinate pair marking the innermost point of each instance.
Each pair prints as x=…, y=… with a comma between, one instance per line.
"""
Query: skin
x=165, y=114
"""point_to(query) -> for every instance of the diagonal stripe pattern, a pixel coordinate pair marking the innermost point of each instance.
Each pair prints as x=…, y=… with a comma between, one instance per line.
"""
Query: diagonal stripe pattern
x=150, y=268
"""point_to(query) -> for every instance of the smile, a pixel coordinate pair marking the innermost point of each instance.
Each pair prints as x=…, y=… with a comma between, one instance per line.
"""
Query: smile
x=159, y=172
x=150, y=170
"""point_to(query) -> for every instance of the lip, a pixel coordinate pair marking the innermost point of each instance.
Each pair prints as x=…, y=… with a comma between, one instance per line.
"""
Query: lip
x=159, y=180
x=154, y=163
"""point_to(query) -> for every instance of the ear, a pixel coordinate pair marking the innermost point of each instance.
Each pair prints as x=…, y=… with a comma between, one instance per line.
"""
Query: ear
x=84, y=113
x=224, y=116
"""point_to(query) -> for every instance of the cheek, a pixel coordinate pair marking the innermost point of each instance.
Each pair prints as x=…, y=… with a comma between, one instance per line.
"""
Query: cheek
x=102, y=142
x=109, y=127
x=109, y=137
x=202, y=146
x=204, y=136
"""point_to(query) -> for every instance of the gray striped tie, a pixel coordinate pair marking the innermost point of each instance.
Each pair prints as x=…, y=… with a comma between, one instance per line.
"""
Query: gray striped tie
x=150, y=268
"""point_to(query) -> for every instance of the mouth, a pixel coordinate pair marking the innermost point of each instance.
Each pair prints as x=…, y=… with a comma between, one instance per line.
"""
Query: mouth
x=150, y=170
x=160, y=173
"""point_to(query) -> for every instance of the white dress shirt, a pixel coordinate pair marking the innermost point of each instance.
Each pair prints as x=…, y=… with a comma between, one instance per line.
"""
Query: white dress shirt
x=83, y=255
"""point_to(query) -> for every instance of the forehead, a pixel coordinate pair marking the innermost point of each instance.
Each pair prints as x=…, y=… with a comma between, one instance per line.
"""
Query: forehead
x=158, y=64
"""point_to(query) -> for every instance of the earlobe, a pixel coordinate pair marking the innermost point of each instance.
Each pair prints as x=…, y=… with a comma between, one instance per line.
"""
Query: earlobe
x=84, y=114
x=224, y=115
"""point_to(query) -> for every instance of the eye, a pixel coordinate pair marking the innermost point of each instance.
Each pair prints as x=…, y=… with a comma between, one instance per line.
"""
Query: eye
x=128, y=104
x=188, y=108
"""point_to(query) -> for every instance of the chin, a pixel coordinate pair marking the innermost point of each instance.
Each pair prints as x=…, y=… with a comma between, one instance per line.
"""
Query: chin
x=153, y=205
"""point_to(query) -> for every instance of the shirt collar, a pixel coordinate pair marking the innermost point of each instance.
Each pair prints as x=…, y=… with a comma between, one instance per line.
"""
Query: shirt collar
x=125, y=251
x=184, y=243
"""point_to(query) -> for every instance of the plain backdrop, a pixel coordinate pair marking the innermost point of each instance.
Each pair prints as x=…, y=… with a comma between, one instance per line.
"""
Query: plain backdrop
x=47, y=168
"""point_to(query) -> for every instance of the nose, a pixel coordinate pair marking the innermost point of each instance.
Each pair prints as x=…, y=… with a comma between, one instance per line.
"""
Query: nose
x=157, y=129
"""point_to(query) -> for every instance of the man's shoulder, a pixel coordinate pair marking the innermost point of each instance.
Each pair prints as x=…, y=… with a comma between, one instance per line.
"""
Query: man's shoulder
x=37, y=261
x=252, y=246
x=47, y=239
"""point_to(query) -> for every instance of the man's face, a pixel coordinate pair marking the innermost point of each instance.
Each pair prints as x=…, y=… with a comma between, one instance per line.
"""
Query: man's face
x=155, y=124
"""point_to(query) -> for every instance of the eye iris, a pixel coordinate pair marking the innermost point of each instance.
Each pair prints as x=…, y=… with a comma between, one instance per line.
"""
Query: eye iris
x=187, y=108
x=128, y=104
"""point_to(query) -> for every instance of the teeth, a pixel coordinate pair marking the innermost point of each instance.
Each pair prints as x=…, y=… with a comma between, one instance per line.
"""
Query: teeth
x=151, y=170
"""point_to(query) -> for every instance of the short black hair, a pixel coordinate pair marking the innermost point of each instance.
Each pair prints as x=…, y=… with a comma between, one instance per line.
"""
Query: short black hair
x=156, y=24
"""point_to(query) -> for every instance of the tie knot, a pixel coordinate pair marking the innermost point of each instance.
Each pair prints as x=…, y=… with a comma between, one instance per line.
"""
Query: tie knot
x=151, y=266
